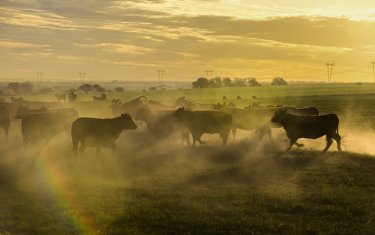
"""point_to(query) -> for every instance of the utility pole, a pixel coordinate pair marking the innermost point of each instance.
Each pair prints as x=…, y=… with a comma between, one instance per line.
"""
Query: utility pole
x=82, y=76
x=39, y=76
x=160, y=75
x=373, y=69
x=209, y=73
x=329, y=70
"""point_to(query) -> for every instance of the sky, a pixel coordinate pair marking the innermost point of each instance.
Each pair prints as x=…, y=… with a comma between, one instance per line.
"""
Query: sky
x=131, y=40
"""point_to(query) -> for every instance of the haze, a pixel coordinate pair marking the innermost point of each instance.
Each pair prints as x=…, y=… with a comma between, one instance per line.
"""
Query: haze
x=131, y=40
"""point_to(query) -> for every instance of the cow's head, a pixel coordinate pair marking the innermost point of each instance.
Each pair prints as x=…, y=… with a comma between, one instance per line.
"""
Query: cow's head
x=279, y=116
x=127, y=121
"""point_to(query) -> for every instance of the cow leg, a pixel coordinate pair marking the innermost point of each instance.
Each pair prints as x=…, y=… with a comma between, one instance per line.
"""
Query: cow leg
x=199, y=139
x=329, y=143
x=292, y=142
x=113, y=148
x=185, y=136
x=82, y=148
x=337, y=138
x=75, y=146
x=224, y=136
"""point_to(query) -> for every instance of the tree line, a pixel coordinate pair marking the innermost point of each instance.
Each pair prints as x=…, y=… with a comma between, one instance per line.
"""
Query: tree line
x=215, y=82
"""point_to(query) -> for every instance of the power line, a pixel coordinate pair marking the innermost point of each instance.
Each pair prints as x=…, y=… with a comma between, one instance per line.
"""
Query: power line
x=39, y=76
x=161, y=75
x=82, y=76
x=329, y=70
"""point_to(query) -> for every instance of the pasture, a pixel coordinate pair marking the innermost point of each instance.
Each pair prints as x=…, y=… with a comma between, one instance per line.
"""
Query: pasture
x=153, y=186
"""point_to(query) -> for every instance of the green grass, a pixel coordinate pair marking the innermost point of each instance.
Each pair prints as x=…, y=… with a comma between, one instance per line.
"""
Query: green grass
x=161, y=187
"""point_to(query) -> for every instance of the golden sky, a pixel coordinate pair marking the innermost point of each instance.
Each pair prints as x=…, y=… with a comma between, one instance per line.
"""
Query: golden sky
x=130, y=40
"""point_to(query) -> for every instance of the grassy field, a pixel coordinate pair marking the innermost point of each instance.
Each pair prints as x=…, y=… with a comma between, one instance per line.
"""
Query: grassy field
x=162, y=187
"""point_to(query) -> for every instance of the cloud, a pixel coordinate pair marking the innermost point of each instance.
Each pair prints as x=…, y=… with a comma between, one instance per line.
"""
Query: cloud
x=34, y=18
x=118, y=48
x=7, y=44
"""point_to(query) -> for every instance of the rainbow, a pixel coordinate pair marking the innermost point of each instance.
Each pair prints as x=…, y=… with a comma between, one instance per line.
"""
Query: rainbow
x=55, y=182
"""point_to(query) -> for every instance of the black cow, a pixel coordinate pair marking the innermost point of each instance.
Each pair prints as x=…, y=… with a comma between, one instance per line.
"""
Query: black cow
x=162, y=123
x=5, y=120
x=311, y=127
x=99, y=132
x=39, y=126
x=200, y=122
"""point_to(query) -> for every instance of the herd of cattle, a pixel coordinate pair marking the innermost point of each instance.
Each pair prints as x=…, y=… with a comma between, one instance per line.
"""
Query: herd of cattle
x=43, y=120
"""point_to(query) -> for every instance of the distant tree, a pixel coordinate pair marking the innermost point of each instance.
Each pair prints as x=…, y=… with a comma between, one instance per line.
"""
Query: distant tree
x=278, y=81
x=201, y=83
x=253, y=82
x=119, y=89
x=24, y=87
x=91, y=88
x=215, y=82
x=227, y=82
x=98, y=88
x=85, y=88
x=15, y=86
x=239, y=82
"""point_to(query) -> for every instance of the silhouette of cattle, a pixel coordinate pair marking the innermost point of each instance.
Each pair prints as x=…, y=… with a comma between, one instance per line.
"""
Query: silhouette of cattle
x=60, y=97
x=200, y=122
x=132, y=107
x=99, y=132
x=5, y=120
x=250, y=119
x=224, y=97
x=239, y=97
x=254, y=97
x=25, y=110
x=42, y=126
x=102, y=97
x=72, y=96
x=162, y=123
x=311, y=127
